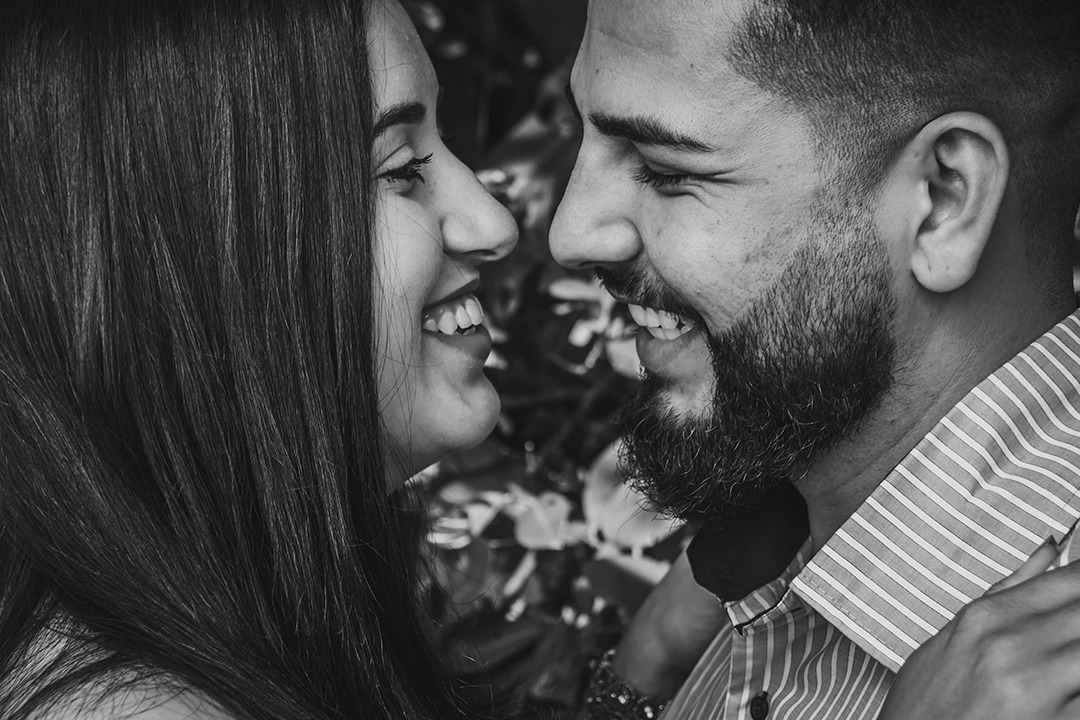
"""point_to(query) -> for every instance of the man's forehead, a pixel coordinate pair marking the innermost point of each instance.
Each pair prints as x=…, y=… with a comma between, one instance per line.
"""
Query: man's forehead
x=692, y=30
x=666, y=59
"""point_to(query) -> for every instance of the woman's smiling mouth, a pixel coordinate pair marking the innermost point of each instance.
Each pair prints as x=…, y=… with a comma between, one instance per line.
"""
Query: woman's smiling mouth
x=453, y=331
x=461, y=315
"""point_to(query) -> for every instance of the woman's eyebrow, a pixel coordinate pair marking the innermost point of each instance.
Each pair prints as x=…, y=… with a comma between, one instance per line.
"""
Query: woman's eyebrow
x=406, y=113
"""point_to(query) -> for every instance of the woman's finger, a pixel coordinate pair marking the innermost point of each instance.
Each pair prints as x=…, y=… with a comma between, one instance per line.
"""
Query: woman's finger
x=1039, y=562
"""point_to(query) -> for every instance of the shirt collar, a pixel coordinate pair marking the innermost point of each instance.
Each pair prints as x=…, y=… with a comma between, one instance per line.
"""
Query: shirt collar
x=774, y=599
x=995, y=477
x=737, y=556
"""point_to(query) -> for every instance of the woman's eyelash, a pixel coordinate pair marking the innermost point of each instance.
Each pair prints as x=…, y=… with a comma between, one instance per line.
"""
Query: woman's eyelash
x=409, y=172
x=647, y=176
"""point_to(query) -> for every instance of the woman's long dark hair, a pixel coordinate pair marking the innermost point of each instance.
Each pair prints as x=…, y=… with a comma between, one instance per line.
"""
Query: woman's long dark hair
x=191, y=470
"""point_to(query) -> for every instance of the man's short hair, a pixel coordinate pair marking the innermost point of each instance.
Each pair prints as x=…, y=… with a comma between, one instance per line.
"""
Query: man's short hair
x=871, y=73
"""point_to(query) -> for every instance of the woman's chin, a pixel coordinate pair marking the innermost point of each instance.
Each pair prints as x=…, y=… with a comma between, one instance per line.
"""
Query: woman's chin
x=442, y=434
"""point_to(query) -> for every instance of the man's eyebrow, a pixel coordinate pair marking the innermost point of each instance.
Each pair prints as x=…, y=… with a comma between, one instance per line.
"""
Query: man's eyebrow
x=646, y=131
x=406, y=113
x=639, y=130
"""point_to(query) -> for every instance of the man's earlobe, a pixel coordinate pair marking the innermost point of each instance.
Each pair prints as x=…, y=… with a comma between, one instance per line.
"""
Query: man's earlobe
x=961, y=164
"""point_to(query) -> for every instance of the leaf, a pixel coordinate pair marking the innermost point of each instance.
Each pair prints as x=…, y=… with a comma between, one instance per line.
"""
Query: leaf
x=449, y=529
x=625, y=580
x=520, y=576
x=465, y=575
x=623, y=357
x=542, y=521
x=557, y=667
x=615, y=512
x=501, y=643
x=573, y=288
x=480, y=515
x=584, y=331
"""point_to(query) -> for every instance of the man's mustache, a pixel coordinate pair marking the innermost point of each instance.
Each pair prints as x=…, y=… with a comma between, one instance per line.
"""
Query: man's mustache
x=642, y=289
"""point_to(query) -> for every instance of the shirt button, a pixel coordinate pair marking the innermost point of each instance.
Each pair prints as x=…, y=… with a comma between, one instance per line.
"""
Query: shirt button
x=759, y=707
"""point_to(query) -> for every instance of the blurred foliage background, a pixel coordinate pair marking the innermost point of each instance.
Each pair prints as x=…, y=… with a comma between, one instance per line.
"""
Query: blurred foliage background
x=540, y=552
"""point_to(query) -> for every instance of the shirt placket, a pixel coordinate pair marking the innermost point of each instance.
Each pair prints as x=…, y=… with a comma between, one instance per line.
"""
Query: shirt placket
x=751, y=670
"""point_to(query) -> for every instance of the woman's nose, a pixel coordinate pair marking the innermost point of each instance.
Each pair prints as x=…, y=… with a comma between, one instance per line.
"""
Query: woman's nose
x=475, y=225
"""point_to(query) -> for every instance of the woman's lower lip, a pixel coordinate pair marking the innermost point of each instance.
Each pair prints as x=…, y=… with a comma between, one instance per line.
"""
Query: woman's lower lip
x=477, y=344
x=656, y=354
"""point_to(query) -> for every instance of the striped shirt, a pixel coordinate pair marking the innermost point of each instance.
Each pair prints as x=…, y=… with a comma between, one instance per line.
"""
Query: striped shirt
x=995, y=477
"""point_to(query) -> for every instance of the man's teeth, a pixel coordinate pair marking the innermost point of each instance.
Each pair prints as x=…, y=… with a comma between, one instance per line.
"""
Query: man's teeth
x=661, y=324
x=454, y=317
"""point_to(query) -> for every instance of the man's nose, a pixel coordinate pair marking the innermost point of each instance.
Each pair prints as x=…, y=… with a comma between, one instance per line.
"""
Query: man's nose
x=593, y=224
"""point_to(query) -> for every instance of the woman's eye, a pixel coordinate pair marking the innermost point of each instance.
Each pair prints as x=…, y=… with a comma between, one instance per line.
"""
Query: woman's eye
x=647, y=176
x=409, y=172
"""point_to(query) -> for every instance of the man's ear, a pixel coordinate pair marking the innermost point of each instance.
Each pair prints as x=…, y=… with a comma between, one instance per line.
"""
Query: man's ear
x=958, y=168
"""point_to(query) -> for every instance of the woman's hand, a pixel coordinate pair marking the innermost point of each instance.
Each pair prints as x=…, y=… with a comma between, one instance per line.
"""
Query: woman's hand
x=669, y=633
x=1013, y=654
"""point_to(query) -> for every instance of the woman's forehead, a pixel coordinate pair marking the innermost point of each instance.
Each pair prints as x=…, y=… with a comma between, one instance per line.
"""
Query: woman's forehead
x=400, y=67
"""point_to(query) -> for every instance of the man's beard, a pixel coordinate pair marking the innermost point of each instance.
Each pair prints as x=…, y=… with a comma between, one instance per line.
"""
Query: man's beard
x=793, y=376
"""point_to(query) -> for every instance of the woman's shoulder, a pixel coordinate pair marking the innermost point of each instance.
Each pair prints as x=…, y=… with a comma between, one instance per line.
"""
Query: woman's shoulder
x=121, y=696
x=137, y=704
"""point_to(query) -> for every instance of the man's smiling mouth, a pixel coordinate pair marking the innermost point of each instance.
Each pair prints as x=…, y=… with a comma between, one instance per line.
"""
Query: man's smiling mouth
x=661, y=324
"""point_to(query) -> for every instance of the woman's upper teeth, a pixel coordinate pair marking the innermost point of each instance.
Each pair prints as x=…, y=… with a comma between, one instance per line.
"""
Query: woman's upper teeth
x=451, y=316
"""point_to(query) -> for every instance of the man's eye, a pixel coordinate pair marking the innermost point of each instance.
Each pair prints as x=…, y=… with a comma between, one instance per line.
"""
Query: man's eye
x=647, y=176
x=409, y=172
